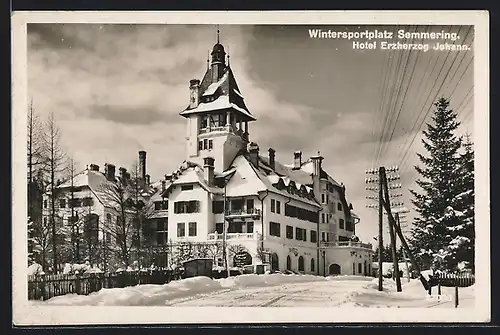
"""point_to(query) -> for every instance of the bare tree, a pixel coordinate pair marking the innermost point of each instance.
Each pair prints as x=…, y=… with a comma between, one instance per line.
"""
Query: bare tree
x=54, y=160
x=35, y=185
x=116, y=195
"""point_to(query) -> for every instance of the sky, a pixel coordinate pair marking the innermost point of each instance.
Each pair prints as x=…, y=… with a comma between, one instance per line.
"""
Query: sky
x=117, y=89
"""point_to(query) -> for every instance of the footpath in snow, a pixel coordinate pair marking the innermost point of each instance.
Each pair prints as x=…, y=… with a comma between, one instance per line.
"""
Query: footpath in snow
x=271, y=290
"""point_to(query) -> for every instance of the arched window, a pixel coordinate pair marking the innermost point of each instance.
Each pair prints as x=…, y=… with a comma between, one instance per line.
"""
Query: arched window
x=301, y=264
x=359, y=267
x=288, y=263
x=312, y=264
x=275, y=262
x=365, y=269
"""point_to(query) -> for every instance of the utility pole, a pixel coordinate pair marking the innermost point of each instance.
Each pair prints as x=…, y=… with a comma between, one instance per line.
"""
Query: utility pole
x=395, y=261
x=398, y=223
x=382, y=188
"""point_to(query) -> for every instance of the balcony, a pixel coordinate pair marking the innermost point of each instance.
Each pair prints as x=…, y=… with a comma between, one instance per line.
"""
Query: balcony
x=234, y=236
x=253, y=213
x=337, y=244
x=226, y=128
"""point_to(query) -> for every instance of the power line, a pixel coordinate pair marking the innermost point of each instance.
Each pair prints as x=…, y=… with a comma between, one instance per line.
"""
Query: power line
x=429, y=109
x=406, y=91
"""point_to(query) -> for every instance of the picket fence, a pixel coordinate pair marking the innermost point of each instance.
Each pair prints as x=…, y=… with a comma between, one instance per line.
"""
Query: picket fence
x=44, y=287
x=452, y=280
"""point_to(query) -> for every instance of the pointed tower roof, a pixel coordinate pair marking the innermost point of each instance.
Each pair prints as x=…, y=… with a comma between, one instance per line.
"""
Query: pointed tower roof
x=221, y=95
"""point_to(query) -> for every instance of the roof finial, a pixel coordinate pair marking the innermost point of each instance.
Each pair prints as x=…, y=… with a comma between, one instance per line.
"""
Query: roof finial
x=218, y=32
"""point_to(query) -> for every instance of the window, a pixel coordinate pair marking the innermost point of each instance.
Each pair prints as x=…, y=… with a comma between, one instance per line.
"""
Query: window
x=288, y=263
x=323, y=236
x=219, y=228
x=182, y=207
x=205, y=144
x=217, y=207
x=289, y=232
x=44, y=220
x=300, y=213
x=353, y=268
x=210, y=144
x=300, y=234
x=108, y=220
x=186, y=187
x=312, y=264
x=323, y=218
x=250, y=227
x=339, y=206
x=341, y=223
x=278, y=207
x=88, y=201
x=161, y=231
x=45, y=204
x=62, y=203
x=108, y=237
x=192, y=228
x=200, y=145
x=181, y=229
x=273, y=206
x=75, y=202
x=327, y=200
x=322, y=198
x=249, y=206
x=237, y=204
x=349, y=226
x=314, y=236
x=301, y=263
x=359, y=268
x=274, y=229
x=159, y=205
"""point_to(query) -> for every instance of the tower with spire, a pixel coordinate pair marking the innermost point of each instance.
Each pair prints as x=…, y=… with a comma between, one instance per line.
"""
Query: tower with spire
x=217, y=117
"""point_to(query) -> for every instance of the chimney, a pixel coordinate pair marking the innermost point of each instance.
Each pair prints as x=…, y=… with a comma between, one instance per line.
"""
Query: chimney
x=123, y=174
x=168, y=177
x=163, y=185
x=109, y=171
x=297, y=159
x=94, y=167
x=253, y=151
x=142, y=164
x=208, y=167
x=272, y=162
x=148, y=180
x=317, y=160
x=194, y=93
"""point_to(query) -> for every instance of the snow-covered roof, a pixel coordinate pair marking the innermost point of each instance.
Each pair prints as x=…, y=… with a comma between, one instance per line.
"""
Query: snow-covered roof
x=223, y=94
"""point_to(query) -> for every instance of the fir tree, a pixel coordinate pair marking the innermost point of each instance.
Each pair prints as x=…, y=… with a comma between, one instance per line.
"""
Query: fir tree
x=460, y=252
x=440, y=184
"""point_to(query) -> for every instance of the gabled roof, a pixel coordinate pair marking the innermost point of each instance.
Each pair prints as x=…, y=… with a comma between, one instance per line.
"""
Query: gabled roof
x=189, y=173
x=225, y=94
x=250, y=179
x=96, y=181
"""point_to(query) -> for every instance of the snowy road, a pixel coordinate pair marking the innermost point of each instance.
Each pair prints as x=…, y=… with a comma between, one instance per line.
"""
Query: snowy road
x=314, y=294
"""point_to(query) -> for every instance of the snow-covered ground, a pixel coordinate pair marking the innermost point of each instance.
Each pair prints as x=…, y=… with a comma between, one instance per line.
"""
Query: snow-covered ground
x=272, y=290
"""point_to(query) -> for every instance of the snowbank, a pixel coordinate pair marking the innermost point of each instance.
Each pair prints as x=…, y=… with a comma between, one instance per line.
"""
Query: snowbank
x=141, y=295
x=254, y=280
x=34, y=269
x=80, y=268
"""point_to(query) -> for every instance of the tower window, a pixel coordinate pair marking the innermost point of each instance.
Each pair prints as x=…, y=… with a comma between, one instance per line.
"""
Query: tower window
x=205, y=144
x=200, y=145
x=339, y=206
x=210, y=144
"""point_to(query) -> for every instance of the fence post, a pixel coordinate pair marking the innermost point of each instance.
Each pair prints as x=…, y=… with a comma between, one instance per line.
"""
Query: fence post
x=430, y=289
x=42, y=285
x=78, y=284
x=456, y=296
x=439, y=288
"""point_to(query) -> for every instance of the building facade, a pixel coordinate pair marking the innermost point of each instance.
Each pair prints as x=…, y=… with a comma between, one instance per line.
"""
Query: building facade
x=292, y=217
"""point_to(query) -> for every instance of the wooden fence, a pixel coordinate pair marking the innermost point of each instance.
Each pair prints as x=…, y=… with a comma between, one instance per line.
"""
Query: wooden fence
x=452, y=280
x=47, y=286
x=43, y=287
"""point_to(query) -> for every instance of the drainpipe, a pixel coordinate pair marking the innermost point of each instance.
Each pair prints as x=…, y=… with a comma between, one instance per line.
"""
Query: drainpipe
x=262, y=219
x=318, y=246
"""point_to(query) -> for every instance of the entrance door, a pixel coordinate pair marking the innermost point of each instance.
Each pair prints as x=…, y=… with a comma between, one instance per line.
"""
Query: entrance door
x=334, y=269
